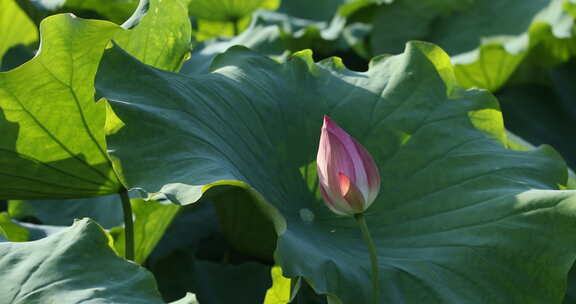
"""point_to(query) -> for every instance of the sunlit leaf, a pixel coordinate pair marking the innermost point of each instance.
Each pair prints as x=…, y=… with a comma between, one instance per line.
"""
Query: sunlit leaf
x=41, y=156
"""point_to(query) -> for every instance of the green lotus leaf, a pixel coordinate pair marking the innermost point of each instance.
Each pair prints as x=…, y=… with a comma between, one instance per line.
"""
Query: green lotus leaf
x=75, y=265
x=41, y=156
x=485, y=50
x=15, y=27
x=151, y=218
x=460, y=218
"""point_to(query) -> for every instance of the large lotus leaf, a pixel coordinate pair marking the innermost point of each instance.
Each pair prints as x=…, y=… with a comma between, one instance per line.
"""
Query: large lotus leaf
x=488, y=39
x=75, y=265
x=53, y=133
x=42, y=158
x=460, y=218
x=15, y=27
x=151, y=221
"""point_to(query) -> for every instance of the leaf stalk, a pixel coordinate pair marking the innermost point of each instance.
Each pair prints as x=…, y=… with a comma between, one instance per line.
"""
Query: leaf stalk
x=373, y=256
x=128, y=226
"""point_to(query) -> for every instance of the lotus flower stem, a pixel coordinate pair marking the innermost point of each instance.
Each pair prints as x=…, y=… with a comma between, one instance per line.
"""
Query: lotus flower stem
x=373, y=256
x=128, y=226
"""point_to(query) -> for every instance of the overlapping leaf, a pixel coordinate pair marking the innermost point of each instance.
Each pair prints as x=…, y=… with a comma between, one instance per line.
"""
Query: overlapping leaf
x=460, y=218
x=53, y=144
x=73, y=266
x=151, y=219
x=53, y=133
x=487, y=39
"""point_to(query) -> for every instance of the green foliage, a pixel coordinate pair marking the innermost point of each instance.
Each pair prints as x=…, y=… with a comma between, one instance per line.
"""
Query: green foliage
x=39, y=158
x=486, y=39
x=246, y=133
x=221, y=141
x=70, y=262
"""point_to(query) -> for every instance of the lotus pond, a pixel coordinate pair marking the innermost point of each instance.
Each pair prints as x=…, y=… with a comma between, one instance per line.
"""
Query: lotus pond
x=274, y=152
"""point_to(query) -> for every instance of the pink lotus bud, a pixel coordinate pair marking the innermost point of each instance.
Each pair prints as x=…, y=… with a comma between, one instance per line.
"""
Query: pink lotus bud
x=349, y=178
